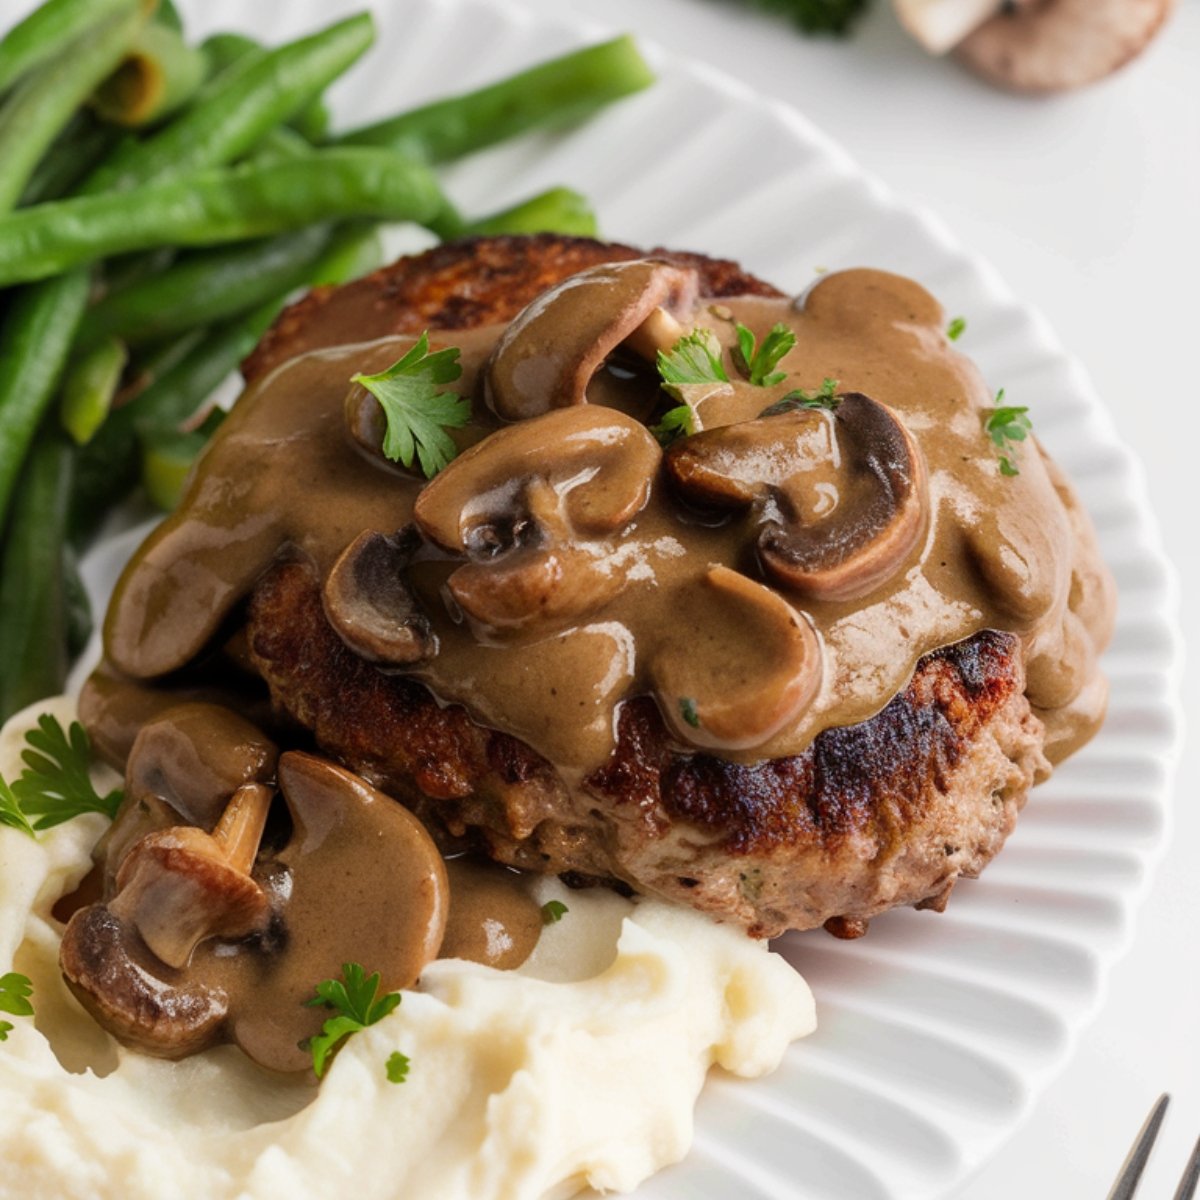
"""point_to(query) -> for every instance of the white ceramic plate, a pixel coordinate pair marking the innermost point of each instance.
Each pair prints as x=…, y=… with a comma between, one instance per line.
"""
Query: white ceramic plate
x=936, y=1031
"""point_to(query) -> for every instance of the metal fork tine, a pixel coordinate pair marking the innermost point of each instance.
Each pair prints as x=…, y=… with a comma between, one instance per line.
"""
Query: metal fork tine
x=1191, y=1176
x=1139, y=1154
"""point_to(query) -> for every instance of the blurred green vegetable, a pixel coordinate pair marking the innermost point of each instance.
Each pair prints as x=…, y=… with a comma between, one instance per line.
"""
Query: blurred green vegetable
x=158, y=75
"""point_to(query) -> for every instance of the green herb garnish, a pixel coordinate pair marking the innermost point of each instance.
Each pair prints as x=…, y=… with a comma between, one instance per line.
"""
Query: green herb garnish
x=56, y=783
x=10, y=811
x=356, y=1000
x=695, y=358
x=798, y=398
x=1007, y=425
x=758, y=363
x=676, y=422
x=417, y=409
x=956, y=328
x=15, y=990
x=687, y=710
x=819, y=16
x=397, y=1067
x=553, y=911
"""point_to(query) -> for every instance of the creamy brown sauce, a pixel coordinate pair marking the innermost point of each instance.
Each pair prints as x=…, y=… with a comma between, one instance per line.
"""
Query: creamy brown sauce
x=772, y=577
x=997, y=552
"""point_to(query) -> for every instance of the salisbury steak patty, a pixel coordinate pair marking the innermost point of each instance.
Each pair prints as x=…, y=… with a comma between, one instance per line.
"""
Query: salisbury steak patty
x=889, y=811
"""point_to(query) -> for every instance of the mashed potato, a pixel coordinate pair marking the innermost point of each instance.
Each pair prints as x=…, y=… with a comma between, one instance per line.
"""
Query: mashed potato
x=581, y=1068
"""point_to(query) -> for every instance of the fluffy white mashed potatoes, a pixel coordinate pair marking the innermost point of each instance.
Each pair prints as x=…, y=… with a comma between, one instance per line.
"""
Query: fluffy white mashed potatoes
x=582, y=1068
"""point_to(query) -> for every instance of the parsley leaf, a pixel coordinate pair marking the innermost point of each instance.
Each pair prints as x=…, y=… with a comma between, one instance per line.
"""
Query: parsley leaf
x=397, y=1067
x=356, y=998
x=799, y=398
x=56, y=783
x=758, y=363
x=677, y=422
x=695, y=358
x=1007, y=425
x=553, y=911
x=956, y=328
x=10, y=811
x=687, y=710
x=15, y=990
x=418, y=411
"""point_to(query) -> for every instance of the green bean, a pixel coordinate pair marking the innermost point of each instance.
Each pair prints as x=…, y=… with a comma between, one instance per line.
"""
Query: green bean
x=356, y=249
x=557, y=92
x=47, y=31
x=78, y=605
x=42, y=104
x=167, y=460
x=89, y=387
x=158, y=75
x=205, y=287
x=559, y=210
x=239, y=107
x=35, y=340
x=167, y=14
x=76, y=151
x=33, y=618
x=223, y=50
x=211, y=207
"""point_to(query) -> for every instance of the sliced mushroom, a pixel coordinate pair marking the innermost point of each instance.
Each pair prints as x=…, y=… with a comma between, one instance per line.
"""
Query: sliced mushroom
x=762, y=673
x=185, y=764
x=178, y=887
x=359, y=881
x=1051, y=45
x=523, y=506
x=547, y=355
x=841, y=498
x=139, y=1001
x=368, y=601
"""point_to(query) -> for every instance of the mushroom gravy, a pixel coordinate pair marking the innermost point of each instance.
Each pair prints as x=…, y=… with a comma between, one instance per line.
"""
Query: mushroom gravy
x=787, y=583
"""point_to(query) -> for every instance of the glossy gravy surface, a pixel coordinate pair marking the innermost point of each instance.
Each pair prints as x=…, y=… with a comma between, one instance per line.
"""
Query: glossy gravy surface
x=284, y=476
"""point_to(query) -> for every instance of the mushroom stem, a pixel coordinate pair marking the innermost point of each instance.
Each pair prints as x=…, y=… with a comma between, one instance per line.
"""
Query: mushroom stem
x=241, y=826
x=659, y=331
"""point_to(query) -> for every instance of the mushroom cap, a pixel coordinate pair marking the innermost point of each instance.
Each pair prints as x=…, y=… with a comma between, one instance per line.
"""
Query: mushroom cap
x=177, y=888
x=841, y=497
x=547, y=355
x=523, y=504
x=767, y=667
x=140, y=1002
x=368, y=601
x=1052, y=45
x=360, y=881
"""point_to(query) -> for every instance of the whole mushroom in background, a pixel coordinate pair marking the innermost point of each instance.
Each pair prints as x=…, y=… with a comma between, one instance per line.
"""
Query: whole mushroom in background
x=1036, y=45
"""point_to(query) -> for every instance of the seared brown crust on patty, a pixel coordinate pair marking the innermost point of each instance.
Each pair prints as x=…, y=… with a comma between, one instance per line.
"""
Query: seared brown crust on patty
x=889, y=811
x=461, y=285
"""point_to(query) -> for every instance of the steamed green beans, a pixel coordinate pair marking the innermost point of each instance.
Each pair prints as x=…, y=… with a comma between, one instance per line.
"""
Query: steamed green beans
x=77, y=151
x=557, y=92
x=211, y=207
x=158, y=75
x=89, y=388
x=42, y=104
x=33, y=610
x=49, y=29
x=222, y=50
x=205, y=287
x=35, y=340
x=239, y=107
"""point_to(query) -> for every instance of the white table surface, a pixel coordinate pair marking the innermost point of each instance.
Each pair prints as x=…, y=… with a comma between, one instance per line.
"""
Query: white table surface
x=1089, y=205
